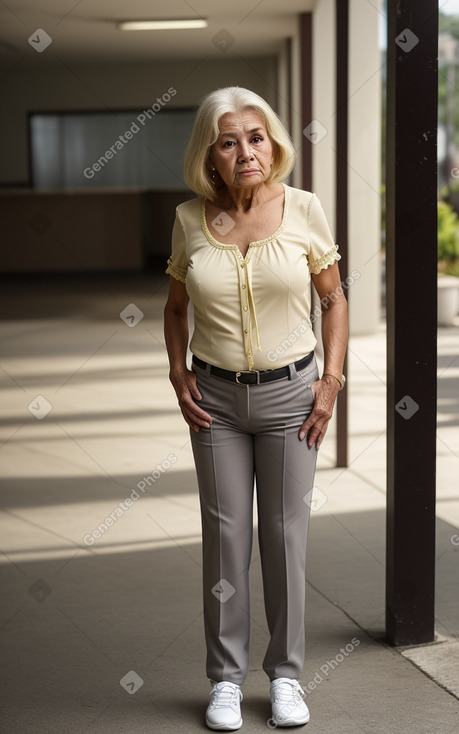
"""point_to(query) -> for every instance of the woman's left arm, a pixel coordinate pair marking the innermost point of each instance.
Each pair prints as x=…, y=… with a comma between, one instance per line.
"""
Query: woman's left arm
x=334, y=337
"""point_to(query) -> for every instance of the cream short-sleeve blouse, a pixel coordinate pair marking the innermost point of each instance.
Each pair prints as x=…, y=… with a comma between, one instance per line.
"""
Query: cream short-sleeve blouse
x=252, y=312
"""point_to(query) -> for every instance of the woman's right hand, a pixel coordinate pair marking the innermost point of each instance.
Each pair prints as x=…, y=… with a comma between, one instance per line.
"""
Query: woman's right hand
x=184, y=384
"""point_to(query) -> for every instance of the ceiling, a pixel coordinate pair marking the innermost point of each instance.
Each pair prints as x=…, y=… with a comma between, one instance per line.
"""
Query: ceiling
x=84, y=31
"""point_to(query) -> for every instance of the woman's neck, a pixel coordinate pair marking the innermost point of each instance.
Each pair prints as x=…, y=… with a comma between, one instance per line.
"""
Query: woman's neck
x=241, y=199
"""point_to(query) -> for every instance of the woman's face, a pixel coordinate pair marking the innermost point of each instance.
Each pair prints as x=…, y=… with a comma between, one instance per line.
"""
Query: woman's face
x=243, y=152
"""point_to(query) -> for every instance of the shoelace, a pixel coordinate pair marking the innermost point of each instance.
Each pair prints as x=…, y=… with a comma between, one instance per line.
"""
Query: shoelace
x=225, y=696
x=282, y=694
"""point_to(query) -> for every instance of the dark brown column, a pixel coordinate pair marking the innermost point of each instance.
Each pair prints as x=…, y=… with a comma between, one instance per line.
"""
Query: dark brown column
x=289, y=85
x=341, y=195
x=306, y=95
x=411, y=318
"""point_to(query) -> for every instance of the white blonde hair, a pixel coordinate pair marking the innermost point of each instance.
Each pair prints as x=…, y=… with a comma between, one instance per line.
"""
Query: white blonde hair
x=206, y=131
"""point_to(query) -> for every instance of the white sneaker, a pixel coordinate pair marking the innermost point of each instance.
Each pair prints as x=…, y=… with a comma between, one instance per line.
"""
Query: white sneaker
x=224, y=710
x=287, y=703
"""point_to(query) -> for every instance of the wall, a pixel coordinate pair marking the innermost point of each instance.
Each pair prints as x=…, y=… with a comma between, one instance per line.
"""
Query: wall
x=71, y=231
x=282, y=85
x=365, y=166
x=323, y=105
x=45, y=233
x=364, y=148
x=114, y=87
x=297, y=122
x=122, y=86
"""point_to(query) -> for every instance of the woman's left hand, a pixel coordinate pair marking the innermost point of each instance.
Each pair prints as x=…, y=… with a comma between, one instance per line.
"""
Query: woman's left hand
x=315, y=427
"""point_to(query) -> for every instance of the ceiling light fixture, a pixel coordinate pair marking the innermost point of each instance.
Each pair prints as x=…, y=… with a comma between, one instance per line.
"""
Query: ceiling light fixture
x=169, y=24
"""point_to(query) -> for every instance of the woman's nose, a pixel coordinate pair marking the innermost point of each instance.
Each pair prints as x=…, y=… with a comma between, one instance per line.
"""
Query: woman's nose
x=244, y=152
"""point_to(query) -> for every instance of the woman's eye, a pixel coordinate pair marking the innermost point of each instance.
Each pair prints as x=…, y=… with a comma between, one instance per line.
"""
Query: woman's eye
x=228, y=144
x=256, y=139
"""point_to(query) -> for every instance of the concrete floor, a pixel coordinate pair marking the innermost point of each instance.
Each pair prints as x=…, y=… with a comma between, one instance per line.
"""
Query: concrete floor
x=108, y=636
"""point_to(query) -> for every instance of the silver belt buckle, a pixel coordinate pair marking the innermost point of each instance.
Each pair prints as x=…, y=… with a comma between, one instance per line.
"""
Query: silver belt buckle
x=247, y=372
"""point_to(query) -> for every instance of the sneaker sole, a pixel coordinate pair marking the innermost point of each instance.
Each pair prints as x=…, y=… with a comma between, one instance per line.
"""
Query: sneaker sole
x=291, y=722
x=224, y=727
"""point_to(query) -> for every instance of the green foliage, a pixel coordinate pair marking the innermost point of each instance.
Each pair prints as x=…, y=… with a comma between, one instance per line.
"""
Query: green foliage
x=383, y=207
x=447, y=190
x=448, y=24
x=448, y=233
x=451, y=268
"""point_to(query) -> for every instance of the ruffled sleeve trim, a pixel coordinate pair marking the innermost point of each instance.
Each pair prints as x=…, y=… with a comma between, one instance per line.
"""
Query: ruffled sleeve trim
x=176, y=272
x=328, y=258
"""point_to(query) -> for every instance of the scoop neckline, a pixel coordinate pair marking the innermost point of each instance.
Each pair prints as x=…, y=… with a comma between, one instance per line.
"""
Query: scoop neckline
x=255, y=243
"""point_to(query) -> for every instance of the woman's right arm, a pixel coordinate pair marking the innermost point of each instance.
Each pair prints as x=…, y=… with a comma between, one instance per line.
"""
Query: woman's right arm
x=176, y=336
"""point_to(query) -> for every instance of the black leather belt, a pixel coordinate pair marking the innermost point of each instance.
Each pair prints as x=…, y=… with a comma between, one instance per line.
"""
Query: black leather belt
x=254, y=377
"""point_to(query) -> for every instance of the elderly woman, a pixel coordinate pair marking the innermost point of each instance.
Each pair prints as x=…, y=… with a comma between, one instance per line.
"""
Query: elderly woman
x=245, y=253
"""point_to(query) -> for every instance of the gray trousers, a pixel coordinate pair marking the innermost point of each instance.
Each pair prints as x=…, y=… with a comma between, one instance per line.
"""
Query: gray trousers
x=254, y=434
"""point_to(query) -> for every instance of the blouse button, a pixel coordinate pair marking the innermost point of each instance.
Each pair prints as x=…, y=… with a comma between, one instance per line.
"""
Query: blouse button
x=246, y=308
x=242, y=265
x=246, y=331
x=244, y=285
